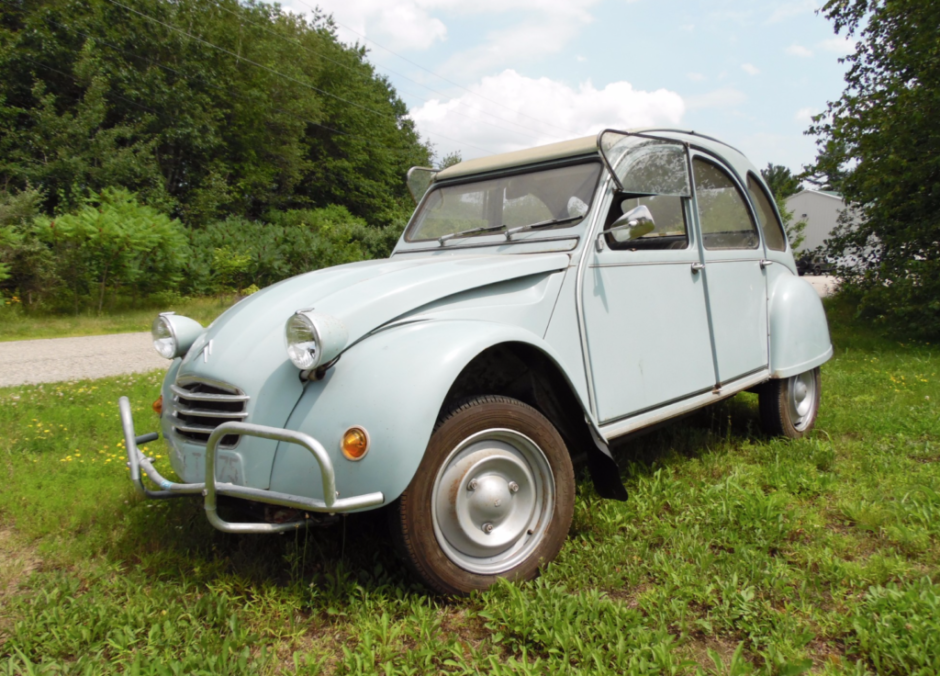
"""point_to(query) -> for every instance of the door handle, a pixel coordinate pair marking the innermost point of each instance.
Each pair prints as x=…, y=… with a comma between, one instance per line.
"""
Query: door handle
x=764, y=263
x=697, y=266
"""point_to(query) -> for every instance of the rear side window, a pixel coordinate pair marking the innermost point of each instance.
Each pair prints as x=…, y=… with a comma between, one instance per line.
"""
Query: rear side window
x=769, y=223
x=723, y=213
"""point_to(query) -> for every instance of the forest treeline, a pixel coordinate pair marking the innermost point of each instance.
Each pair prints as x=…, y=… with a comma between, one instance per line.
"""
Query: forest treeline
x=202, y=112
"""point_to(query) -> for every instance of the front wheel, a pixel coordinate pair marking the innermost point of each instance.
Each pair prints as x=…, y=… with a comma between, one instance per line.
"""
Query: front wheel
x=493, y=497
x=788, y=406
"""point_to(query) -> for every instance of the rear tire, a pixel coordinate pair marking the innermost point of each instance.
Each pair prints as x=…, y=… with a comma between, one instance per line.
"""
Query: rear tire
x=493, y=498
x=788, y=406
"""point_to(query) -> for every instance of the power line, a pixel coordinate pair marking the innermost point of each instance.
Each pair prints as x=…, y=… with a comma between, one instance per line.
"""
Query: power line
x=275, y=72
x=232, y=91
x=455, y=84
x=353, y=70
x=76, y=81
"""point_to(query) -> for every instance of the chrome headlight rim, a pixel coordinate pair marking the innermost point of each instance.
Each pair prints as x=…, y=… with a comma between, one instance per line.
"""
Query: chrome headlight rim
x=174, y=334
x=162, y=322
x=314, y=340
x=304, y=354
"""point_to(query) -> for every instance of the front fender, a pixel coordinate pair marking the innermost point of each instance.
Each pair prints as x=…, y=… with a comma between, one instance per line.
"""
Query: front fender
x=393, y=384
x=799, y=333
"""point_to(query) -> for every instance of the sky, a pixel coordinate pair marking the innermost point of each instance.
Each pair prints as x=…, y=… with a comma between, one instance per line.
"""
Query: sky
x=488, y=76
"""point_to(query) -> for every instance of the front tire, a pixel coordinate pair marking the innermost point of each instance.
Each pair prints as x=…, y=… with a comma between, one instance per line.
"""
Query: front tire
x=493, y=497
x=788, y=406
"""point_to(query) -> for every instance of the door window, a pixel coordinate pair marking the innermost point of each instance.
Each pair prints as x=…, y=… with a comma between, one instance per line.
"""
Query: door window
x=723, y=213
x=769, y=223
x=668, y=214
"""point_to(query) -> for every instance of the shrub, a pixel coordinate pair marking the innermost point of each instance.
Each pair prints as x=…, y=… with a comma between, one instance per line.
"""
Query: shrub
x=27, y=266
x=113, y=240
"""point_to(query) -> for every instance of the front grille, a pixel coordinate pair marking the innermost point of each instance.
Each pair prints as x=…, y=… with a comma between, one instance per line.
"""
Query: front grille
x=199, y=407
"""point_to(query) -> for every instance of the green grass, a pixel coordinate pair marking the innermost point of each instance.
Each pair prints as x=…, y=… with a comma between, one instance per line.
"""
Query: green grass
x=16, y=324
x=735, y=554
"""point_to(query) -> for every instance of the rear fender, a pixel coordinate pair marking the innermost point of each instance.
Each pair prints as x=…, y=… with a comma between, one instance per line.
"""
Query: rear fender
x=799, y=333
x=392, y=384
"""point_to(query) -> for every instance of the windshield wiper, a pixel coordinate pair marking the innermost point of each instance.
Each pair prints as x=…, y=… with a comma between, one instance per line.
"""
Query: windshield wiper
x=540, y=224
x=466, y=233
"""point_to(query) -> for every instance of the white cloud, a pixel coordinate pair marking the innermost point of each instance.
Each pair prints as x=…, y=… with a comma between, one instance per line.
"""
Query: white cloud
x=687, y=27
x=414, y=25
x=580, y=59
x=805, y=115
x=786, y=10
x=726, y=97
x=837, y=45
x=750, y=69
x=539, y=111
x=540, y=34
x=397, y=24
x=799, y=50
x=696, y=77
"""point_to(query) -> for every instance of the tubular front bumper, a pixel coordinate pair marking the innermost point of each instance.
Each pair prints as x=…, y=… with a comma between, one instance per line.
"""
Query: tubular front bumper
x=211, y=488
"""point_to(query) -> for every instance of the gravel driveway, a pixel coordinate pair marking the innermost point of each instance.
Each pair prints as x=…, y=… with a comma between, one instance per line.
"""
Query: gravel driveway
x=50, y=360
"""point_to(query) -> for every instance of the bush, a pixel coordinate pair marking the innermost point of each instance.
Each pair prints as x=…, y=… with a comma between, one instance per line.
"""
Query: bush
x=236, y=253
x=114, y=241
x=27, y=266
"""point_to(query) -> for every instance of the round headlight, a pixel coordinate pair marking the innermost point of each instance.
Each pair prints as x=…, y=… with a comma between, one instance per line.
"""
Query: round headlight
x=164, y=340
x=314, y=339
x=302, y=347
x=173, y=335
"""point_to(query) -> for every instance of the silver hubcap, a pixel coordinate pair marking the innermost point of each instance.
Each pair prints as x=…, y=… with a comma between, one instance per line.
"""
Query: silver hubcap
x=493, y=500
x=801, y=399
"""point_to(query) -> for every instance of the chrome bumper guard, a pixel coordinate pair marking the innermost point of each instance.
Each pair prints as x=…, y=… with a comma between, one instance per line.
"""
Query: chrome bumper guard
x=331, y=503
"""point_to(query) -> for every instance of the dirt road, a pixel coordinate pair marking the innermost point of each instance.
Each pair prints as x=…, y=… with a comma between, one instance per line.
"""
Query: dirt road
x=55, y=359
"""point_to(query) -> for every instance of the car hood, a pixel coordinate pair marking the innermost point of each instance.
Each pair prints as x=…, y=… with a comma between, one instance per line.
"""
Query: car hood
x=364, y=296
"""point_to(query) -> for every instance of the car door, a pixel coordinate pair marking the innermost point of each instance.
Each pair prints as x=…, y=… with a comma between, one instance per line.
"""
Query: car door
x=646, y=324
x=734, y=271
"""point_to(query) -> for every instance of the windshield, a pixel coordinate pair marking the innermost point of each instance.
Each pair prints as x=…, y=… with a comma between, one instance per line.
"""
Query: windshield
x=563, y=194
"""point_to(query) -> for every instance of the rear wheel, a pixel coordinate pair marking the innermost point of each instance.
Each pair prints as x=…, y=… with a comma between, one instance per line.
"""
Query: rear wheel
x=788, y=406
x=493, y=497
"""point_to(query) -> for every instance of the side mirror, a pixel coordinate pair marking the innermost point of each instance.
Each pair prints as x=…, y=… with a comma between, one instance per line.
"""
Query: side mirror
x=639, y=220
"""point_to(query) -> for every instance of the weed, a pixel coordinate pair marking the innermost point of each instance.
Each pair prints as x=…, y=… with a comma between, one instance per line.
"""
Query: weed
x=735, y=554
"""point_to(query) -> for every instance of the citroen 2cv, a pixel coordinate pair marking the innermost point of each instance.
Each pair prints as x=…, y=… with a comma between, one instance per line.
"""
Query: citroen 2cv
x=538, y=305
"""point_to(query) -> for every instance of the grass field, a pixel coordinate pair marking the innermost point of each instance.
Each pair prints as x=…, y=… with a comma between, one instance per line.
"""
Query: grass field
x=15, y=324
x=735, y=553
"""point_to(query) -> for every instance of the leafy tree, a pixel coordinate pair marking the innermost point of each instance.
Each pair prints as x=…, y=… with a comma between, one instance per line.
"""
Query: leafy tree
x=205, y=108
x=781, y=181
x=450, y=159
x=795, y=231
x=884, y=128
x=114, y=241
x=28, y=268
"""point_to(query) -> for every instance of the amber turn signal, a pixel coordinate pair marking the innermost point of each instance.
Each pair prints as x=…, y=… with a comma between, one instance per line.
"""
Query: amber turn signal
x=158, y=405
x=355, y=443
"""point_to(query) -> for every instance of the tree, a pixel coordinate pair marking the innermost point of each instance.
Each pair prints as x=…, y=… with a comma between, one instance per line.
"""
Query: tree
x=450, y=159
x=204, y=108
x=884, y=129
x=781, y=181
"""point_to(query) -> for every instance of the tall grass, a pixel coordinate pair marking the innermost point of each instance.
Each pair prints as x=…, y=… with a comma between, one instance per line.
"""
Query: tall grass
x=735, y=554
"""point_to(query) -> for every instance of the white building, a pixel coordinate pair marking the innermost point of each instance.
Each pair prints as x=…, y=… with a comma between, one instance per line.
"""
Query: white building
x=820, y=209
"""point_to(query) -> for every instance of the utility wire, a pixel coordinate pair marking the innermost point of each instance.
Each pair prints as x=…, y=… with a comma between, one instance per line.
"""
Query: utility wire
x=418, y=65
x=401, y=75
x=78, y=82
x=213, y=86
x=278, y=73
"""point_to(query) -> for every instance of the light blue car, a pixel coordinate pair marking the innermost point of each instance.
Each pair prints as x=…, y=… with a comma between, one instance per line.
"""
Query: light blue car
x=539, y=305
